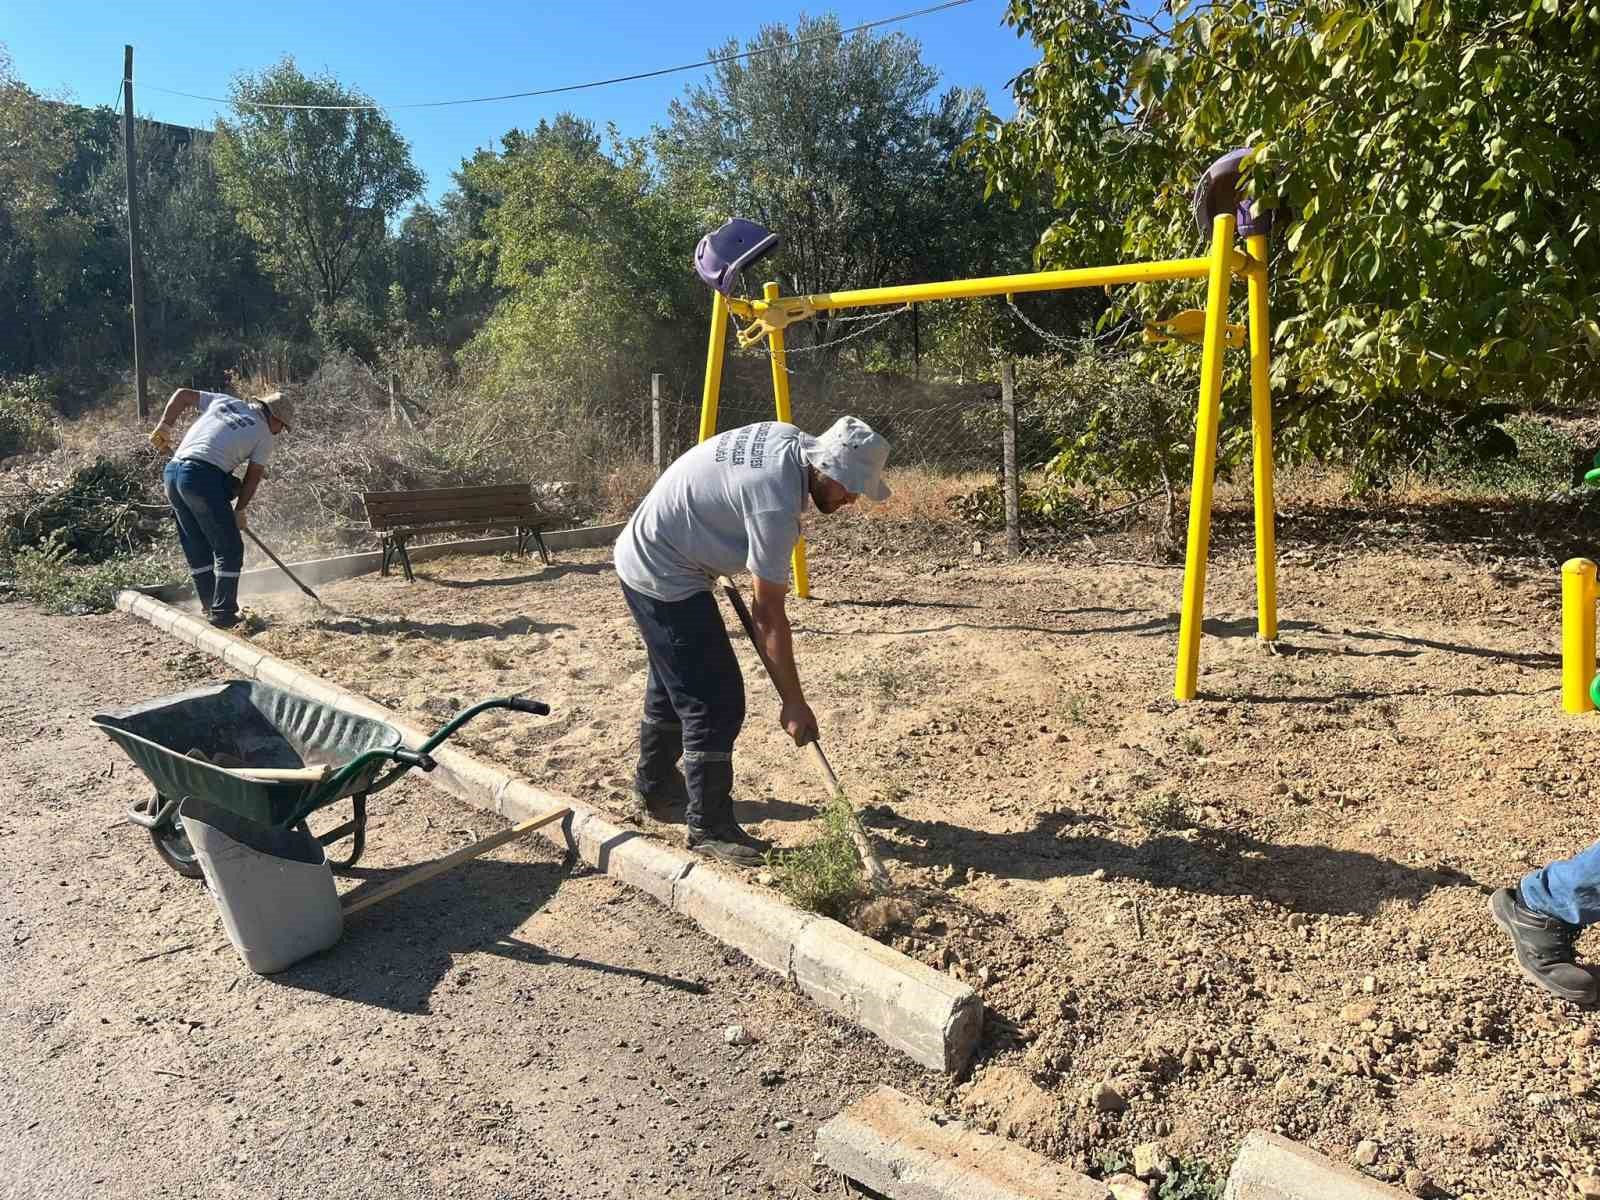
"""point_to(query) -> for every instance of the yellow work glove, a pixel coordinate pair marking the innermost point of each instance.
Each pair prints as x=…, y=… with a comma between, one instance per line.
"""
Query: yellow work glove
x=161, y=438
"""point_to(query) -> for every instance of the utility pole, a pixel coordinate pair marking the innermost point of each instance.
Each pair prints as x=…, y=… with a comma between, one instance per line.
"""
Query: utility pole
x=135, y=258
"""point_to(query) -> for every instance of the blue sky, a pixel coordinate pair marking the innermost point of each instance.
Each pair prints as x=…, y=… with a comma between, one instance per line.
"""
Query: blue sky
x=451, y=51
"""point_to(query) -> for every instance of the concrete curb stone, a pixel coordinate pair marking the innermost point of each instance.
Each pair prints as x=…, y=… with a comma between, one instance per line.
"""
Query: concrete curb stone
x=1270, y=1167
x=762, y=928
x=830, y=965
x=904, y=1150
x=927, y=1015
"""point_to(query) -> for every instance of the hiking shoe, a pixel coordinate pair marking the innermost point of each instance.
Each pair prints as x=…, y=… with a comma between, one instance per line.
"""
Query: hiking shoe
x=1543, y=948
x=225, y=620
x=726, y=845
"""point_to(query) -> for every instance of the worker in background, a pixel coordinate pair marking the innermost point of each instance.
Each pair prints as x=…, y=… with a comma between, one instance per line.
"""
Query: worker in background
x=207, y=498
x=1544, y=914
x=731, y=504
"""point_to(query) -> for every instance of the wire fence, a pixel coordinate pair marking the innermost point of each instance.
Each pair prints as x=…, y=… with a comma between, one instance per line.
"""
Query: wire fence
x=954, y=481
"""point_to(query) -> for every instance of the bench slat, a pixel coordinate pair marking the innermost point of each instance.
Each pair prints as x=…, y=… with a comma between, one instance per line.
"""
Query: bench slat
x=462, y=493
x=511, y=512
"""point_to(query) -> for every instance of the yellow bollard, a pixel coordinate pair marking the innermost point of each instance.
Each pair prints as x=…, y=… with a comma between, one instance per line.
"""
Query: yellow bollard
x=780, y=399
x=1577, y=634
x=715, y=351
x=1261, y=439
x=1205, y=457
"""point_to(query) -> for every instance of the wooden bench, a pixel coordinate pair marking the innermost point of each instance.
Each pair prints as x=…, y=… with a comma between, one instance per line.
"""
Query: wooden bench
x=398, y=516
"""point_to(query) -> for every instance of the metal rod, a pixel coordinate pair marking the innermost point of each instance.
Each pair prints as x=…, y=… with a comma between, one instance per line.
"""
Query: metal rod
x=135, y=254
x=1001, y=285
x=282, y=566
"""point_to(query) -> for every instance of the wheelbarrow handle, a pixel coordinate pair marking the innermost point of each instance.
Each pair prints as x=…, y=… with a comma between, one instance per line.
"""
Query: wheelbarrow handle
x=517, y=703
x=423, y=761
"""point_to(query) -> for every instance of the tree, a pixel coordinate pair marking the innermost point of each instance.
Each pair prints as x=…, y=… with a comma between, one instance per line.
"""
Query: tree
x=1436, y=161
x=839, y=144
x=315, y=187
x=589, y=256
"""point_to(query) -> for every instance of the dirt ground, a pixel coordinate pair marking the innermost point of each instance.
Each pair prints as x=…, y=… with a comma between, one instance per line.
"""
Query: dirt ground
x=511, y=1029
x=1264, y=909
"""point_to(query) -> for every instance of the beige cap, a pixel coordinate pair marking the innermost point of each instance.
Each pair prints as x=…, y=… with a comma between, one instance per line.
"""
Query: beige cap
x=280, y=404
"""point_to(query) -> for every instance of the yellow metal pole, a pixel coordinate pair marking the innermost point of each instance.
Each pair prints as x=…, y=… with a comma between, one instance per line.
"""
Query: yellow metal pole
x=1218, y=277
x=1261, y=438
x=1577, y=634
x=780, y=399
x=1000, y=285
x=715, y=350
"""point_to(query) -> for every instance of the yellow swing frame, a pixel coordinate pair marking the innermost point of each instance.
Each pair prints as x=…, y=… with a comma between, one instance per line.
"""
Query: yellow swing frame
x=769, y=316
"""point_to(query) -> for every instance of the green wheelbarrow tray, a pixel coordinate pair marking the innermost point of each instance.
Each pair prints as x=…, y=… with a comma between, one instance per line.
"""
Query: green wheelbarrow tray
x=254, y=725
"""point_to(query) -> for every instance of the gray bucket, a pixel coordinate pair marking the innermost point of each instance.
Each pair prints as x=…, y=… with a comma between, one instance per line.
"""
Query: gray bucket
x=273, y=887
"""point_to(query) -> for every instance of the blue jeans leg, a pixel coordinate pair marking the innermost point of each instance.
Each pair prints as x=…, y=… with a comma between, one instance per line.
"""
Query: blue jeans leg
x=1567, y=889
x=207, y=529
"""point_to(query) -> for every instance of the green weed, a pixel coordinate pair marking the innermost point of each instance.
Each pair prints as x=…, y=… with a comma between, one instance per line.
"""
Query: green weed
x=824, y=875
x=52, y=577
x=1161, y=813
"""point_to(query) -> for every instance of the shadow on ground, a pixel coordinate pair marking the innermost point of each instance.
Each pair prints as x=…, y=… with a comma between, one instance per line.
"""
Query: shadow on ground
x=1216, y=862
x=395, y=954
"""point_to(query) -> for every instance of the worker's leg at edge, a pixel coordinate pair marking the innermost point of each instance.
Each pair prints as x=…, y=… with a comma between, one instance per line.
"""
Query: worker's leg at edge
x=1545, y=914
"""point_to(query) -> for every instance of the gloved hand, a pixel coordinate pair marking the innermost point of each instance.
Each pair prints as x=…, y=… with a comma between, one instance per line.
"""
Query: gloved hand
x=161, y=438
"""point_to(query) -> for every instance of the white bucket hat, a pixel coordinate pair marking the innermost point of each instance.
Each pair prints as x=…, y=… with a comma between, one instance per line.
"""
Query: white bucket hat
x=852, y=455
x=281, y=405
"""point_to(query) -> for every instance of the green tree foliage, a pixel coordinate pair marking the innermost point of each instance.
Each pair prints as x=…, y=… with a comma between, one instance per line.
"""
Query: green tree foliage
x=315, y=187
x=589, y=252
x=842, y=145
x=1438, y=160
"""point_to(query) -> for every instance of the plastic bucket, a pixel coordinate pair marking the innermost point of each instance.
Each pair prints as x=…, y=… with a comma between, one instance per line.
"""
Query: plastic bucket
x=273, y=887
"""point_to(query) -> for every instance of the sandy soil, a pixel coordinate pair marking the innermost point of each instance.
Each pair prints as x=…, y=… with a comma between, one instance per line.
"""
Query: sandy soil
x=1264, y=909
x=510, y=1029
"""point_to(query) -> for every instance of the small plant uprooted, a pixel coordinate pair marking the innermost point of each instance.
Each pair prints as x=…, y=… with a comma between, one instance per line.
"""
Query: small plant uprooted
x=824, y=875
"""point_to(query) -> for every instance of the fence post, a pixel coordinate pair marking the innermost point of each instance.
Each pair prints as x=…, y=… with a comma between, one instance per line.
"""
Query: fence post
x=655, y=421
x=1008, y=405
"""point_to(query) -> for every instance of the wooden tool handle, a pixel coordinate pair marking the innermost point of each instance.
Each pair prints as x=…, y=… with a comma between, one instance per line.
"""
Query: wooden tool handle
x=280, y=774
x=371, y=895
x=877, y=876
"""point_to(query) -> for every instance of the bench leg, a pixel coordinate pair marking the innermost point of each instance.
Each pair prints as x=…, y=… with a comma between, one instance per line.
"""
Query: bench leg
x=544, y=552
x=388, y=554
x=405, y=560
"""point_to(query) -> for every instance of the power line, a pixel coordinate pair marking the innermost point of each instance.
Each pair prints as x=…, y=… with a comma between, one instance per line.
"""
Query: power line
x=577, y=87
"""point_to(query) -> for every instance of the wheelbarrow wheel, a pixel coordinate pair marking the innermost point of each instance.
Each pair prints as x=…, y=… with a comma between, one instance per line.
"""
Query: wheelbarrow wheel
x=172, y=844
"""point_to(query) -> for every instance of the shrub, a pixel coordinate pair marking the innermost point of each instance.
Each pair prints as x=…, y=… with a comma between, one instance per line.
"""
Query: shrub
x=27, y=419
x=95, y=515
x=50, y=575
x=824, y=875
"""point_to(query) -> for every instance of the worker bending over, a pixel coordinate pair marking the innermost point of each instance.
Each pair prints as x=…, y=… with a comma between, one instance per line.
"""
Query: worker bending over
x=731, y=504
x=206, y=497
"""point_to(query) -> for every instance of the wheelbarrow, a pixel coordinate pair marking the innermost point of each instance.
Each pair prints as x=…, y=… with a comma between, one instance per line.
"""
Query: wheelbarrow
x=269, y=756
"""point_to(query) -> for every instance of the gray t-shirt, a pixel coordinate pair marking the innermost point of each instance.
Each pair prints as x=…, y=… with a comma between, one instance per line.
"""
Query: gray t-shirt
x=731, y=504
x=227, y=432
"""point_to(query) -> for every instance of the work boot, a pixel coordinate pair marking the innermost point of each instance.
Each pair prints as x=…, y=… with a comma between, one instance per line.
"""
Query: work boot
x=729, y=844
x=204, y=586
x=658, y=786
x=712, y=830
x=1543, y=948
x=225, y=602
